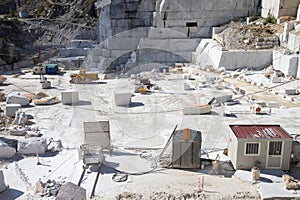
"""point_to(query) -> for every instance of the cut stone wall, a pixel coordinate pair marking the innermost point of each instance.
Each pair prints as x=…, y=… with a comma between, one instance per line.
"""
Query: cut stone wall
x=176, y=14
x=123, y=15
x=210, y=53
x=164, y=45
x=122, y=26
x=279, y=8
x=293, y=43
x=288, y=64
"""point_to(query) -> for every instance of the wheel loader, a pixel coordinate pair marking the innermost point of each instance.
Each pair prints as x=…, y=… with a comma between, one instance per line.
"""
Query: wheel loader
x=83, y=77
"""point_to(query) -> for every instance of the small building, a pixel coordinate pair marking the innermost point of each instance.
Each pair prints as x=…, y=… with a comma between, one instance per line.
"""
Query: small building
x=264, y=146
x=186, y=147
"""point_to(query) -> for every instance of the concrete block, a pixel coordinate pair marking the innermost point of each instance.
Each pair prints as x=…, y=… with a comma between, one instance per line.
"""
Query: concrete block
x=16, y=98
x=122, y=98
x=224, y=98
x=186, y=76
x=291, y=91
x=210, y=53
x=276, y=79
x=273, y=104
x=187, y=86
x=69, y=97
x=3, y=186
x=6, y=151
x=10, y=109
x=32, y=146
x=196, y=109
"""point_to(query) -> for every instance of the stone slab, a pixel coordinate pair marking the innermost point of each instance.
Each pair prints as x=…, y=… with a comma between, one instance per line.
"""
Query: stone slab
x=32, y=146
x=10, y=109
x=15, y=98
x=6, y=151
x=69, y=97
x=122, y=98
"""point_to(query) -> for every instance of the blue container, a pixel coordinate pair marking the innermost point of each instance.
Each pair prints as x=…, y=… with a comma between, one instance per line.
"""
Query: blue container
x=51, y=68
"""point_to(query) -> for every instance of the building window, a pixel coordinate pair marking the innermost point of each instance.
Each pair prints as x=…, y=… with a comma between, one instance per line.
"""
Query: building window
x=275, y=148
x=191, y=24
x=252, y=149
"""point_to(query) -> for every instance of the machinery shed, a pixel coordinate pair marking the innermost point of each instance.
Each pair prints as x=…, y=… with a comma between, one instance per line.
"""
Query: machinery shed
x=186, y=147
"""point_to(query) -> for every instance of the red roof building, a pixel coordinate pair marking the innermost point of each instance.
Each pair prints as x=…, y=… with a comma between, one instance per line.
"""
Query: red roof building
x=263, y=146
x=259, y=131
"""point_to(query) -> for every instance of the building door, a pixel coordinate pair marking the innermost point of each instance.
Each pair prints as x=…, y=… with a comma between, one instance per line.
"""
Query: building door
x=274, y=156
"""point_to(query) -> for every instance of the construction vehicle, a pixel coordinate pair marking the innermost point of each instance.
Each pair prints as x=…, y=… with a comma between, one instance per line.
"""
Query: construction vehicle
x=83, y=77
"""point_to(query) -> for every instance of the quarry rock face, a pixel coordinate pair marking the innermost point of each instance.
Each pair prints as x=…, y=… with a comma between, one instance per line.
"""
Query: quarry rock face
x=120, y=16
x=195, y=18
x=163, y=31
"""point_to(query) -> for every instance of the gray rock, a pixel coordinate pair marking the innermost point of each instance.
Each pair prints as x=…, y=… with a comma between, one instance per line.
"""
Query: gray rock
x=15, y=98
x=71, y=191
x=32, y=146
x=6, y=151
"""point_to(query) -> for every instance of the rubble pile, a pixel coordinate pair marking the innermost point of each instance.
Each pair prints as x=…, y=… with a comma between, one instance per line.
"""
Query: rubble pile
x=290, y=182
x=4, y=121
x=2, y=79
x=49, y=188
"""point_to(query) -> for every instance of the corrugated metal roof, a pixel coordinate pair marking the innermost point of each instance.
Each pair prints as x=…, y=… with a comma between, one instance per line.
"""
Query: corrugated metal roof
x=259, y=131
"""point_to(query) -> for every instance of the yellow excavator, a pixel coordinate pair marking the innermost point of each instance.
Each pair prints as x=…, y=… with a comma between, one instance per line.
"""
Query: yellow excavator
x=83, y=77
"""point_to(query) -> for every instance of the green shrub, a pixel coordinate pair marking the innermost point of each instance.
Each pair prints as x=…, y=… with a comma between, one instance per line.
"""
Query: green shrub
x=11, y=12
x=254, y=17
x=270, y=19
